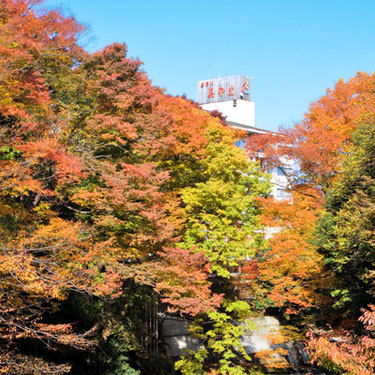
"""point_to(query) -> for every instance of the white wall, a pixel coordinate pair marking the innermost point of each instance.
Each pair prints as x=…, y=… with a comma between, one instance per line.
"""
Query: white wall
x=242, y=116
x=279, y=179
x=243, y=113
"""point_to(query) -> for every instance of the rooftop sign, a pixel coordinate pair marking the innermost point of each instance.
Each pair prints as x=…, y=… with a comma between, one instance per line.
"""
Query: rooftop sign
x=223, y=89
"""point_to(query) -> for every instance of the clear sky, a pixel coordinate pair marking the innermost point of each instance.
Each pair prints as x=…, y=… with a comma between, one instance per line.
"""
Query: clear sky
x=293, y=49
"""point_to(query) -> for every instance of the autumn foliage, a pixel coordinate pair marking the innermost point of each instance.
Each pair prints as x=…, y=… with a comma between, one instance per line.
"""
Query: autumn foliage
x=348, y=354
x=320, y=142
x=117, y=200
x=292, y=264
x=319, y=266
x=111, y=193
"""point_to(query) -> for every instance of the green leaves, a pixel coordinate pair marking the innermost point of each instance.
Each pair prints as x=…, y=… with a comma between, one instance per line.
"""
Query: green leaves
x=222, y=222
x=222, y=213
x=346, y=231
x=9, y=153
x=109, y=185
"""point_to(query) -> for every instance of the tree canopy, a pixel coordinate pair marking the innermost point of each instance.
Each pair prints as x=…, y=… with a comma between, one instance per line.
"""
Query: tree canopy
x=114, y=197
x=120, y=204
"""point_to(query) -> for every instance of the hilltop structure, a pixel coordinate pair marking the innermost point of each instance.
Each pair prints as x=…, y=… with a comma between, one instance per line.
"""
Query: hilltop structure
x=232, y=97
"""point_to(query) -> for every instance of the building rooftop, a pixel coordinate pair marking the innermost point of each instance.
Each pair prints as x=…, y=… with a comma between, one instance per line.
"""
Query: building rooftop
x=249, y=129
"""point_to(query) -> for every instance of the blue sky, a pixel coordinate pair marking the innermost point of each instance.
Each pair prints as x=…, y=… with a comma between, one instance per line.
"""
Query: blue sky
x=293, y=49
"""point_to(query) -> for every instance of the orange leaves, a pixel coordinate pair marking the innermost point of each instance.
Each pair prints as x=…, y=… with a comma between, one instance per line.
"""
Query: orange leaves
x=292, y=264
x=112, y=128
x=25, y=39
x=187, y=125
x=59, y=166
x=39, y=264
x=318, y=145
x=63, y=334
x=47, y=260
x=368, y=318
x=250, y=270
x=273, y=358
x=111, y=285
x=183, y=279
x=15, y=363
x=320, y=142
x=345, y=351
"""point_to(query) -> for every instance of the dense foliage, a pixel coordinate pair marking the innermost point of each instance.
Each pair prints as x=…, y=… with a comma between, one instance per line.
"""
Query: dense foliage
x=320, y=265
x=115, y=198
x=120, y=205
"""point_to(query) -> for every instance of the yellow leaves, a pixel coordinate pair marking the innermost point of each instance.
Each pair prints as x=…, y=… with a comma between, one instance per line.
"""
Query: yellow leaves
x=273, y=358
x=88, y=198
x=24, y=273
x=44, y=210
x=57, y=232
x=46, y=261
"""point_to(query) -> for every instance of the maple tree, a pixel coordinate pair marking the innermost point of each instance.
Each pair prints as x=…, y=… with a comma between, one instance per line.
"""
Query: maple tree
x=318, y=145
x=351, y=354
x=222, y=222
x=101, y=179
x=345, y=239
x=317, y=241
x=52, y=241
x=39, y=251
x=115, y=197
x=320, y=141
x=183, y=281
x=292, y=264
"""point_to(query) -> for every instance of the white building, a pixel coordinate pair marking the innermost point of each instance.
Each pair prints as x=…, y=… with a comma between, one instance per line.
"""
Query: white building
x=232, y=97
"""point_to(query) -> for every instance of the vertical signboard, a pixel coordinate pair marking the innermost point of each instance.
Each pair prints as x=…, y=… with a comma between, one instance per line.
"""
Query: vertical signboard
x=223, y=89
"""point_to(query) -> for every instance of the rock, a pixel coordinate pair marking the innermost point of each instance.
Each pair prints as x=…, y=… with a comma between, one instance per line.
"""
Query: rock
x=175, y=334
x=304, y=354
x=292, y=354
x=255, y=340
